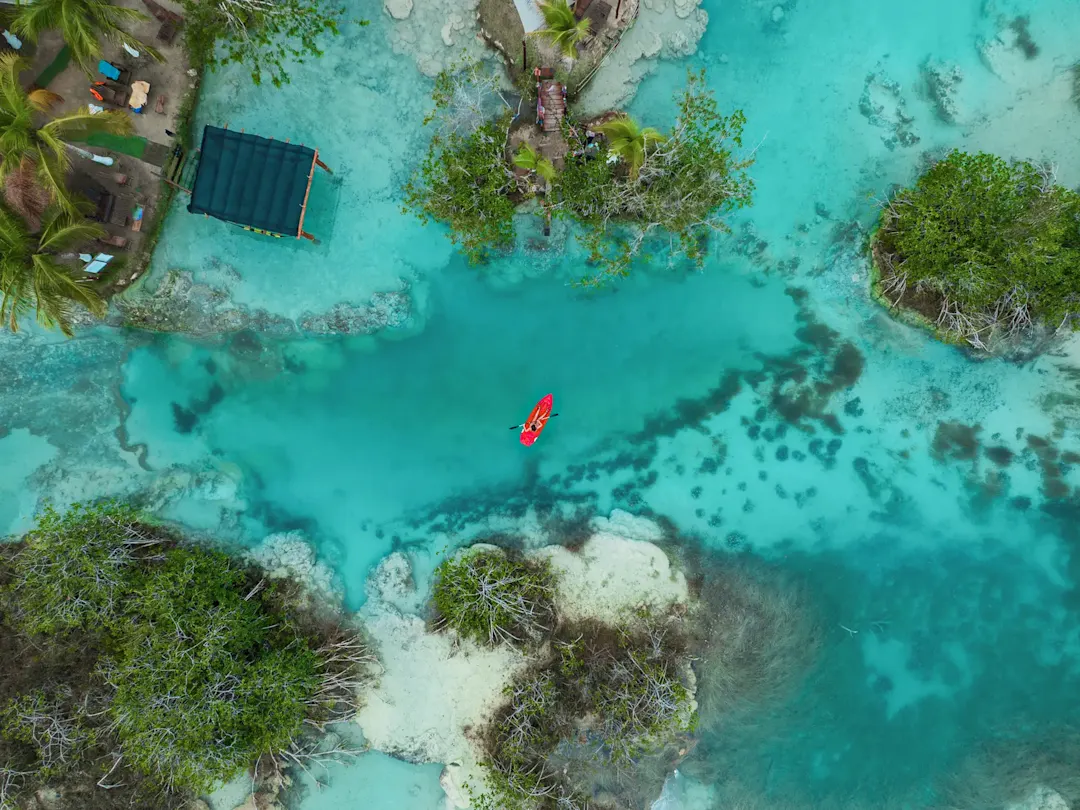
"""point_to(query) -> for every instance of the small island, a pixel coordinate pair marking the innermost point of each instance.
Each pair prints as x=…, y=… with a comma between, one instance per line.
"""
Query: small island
x=630, y=189
x=150, y=669
x=552, y=678
x=981, y=251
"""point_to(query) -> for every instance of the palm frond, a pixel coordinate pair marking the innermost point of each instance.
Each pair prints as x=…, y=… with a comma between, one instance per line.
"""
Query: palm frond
x=526, y=157
x=82, y=122
x=630, y=141
x=62, y=230
x=31, y=277
x=52, y=172
x=564, y=29
x=57, y=288
x=25, y=195
x=34, y=19
x=43, y=100
x=546, y=169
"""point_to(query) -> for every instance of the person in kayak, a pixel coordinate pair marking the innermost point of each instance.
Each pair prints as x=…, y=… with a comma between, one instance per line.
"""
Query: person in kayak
x=535, y=426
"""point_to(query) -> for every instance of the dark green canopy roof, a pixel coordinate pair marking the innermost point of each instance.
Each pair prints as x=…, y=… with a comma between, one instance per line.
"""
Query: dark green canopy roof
x=252, y=181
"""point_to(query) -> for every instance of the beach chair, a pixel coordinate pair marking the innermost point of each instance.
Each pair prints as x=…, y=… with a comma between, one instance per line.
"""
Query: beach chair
x=120, y=74
x=112, y=94
x=113, y=240
x=167, y=32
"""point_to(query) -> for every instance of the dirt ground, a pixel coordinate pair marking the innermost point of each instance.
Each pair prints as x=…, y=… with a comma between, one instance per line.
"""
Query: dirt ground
x=168, y=79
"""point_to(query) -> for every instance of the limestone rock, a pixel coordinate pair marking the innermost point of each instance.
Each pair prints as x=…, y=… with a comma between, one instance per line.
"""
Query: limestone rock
x=289, y=555
x=392, y=581
x=941, y=80
x=385, y=311
x=398, y=9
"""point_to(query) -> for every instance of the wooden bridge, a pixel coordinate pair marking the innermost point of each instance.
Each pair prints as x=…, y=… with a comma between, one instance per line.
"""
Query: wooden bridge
x=550, y=105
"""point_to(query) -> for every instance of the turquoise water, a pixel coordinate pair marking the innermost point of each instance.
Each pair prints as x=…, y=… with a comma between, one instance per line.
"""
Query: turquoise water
x=764, y=406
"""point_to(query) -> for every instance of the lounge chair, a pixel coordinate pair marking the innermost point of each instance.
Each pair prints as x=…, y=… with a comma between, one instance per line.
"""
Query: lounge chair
x=113, y=240
x=115, y=95
x=104, y=206
x=121, y=74
x=167, y=32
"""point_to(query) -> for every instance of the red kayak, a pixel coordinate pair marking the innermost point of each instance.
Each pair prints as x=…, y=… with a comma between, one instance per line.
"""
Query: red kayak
x=538, y=418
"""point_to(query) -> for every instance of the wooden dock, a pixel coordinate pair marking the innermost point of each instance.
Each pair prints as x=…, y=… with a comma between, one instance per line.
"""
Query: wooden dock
x=551, y=105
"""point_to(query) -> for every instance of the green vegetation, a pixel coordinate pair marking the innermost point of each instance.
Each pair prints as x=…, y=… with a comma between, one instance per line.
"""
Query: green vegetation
x=982, y=248
x=605, y=701
x=264, y=37
x=564, y=30
x=493, y=598
x=688, y=181
x=83, y=24
x=44, y=146
x=527, y=158
x=465, y=182
x=32, y=275
x=631, y=186
x=597, y=700
x=629, y=141
x=149, y=669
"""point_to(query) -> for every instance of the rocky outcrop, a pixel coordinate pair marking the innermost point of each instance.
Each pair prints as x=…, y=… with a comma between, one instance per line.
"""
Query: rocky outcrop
x=385, y=311
x=1041, y=798
x=290, y=556
x=941, y=79
x=398, y=9
x=882, y=103
x=182, y=305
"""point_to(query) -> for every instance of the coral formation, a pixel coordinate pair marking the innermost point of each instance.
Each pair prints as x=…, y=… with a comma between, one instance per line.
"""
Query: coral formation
x=941, y=80
x=882, y=103
x=180, y=304
x=289, y=556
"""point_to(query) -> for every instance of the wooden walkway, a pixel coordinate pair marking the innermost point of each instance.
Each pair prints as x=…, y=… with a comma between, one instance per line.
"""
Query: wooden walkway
x=551, y=106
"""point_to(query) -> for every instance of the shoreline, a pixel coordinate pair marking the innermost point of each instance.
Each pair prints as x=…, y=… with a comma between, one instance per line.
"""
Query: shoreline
x=437, y=690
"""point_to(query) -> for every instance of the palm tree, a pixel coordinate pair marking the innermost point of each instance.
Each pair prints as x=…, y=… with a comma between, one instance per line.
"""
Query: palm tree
x=82, y=24
x=32, y=277
x=44, y=146
x=527, y=158
x=629, y=141
x=564, y=30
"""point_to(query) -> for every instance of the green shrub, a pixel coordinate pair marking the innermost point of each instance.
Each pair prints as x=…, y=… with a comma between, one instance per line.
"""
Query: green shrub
x=465, y=182
x=54, y=731
x=604, y=700
x=996, y=246
x=204, y=682
x=74, y=569
x=193, y=669
x=492, y=598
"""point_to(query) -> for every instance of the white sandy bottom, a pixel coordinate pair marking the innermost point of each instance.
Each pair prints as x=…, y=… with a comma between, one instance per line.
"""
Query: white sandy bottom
x=434, y=689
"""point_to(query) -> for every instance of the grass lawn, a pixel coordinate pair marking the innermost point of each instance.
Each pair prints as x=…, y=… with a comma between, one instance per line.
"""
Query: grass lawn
x=133, y=145
x=55, y=67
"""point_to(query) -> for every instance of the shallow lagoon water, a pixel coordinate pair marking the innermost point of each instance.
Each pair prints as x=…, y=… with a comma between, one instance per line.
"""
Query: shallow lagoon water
x=765, y=405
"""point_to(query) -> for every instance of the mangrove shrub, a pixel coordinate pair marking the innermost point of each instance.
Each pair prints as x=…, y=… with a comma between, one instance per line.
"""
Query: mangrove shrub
x=147, y=663
x=492, y=598
x=642, y=185
x=983, y=248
